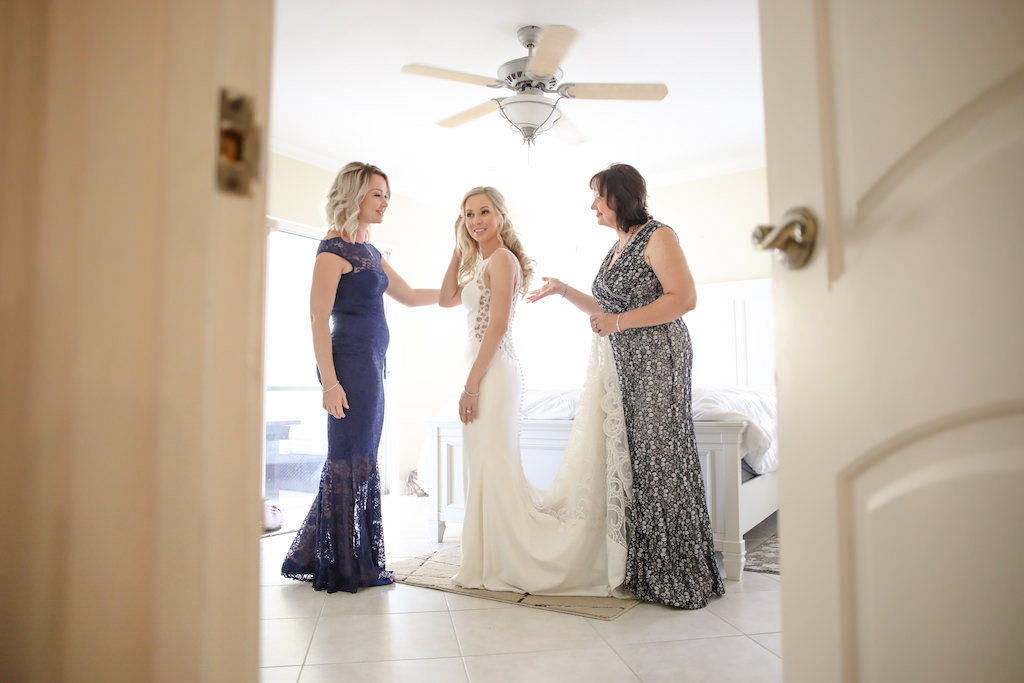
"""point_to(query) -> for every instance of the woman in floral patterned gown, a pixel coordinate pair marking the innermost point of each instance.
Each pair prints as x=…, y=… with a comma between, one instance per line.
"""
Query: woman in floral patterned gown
x=641, y=291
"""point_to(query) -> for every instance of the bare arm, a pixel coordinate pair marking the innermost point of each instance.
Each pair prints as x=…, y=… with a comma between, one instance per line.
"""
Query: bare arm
x=327, y=271
x=501, y=272
x=580, y=300
x=400, y=291
x=666, y=258
x=451, y=290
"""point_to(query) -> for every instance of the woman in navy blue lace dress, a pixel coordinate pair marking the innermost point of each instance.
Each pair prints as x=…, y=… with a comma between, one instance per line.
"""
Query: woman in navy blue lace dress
x=641, y=291
x=340, y=546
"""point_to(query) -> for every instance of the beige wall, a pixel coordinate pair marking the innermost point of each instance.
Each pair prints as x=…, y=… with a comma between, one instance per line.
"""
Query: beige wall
x=714, y=218
x=296, y=191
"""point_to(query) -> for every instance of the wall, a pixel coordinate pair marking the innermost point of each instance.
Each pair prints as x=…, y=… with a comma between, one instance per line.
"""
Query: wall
x=713, y=217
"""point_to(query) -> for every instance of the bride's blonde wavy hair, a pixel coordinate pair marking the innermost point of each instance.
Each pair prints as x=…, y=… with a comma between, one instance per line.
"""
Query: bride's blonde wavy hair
x=507, y=234
x=347, y=192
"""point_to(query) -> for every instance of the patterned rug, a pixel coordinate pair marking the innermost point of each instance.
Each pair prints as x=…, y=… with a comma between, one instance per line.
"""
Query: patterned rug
x=764, y=558
x=436, y=569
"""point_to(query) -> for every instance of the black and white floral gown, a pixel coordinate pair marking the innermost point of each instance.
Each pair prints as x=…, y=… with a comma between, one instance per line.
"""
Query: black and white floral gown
x=670, y=556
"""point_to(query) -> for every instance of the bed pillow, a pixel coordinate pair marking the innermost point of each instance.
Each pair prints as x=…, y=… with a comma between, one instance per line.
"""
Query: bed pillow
x=550, y=405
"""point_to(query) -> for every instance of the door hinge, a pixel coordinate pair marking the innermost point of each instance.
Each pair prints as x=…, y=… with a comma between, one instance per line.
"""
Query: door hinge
x=238, y=159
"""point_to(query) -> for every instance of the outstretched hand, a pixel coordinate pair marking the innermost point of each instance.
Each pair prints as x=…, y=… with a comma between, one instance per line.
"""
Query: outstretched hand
x=552, y=285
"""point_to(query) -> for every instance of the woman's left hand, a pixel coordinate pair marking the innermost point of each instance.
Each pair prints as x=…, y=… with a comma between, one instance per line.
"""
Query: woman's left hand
x=468, y=408
x=603, y=324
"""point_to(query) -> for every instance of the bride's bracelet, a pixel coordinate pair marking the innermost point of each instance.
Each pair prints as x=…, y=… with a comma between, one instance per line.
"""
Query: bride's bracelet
x=467, y=392
x=566, y=290
x=336, y=385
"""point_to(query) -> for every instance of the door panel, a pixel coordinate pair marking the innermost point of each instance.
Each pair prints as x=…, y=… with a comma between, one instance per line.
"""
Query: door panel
x=925, y=577
x=898, y=124
x=901, y=69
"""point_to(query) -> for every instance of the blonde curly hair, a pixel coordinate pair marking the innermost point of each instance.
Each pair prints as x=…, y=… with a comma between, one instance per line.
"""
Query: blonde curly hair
x=507, y=234
x=346, y=194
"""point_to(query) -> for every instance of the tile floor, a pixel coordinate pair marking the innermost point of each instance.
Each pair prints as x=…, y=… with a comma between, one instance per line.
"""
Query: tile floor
x=404, y=633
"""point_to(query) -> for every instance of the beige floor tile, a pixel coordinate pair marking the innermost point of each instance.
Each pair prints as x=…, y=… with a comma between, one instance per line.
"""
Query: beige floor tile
x=385, y=600
x=649, y=623
x=592, y=664
x=272, y=552
x=752, y=581
x=450, y=670
x=722, y=660
x=383, y=637
x=406, y=633
x=290, y=601
x=772, y=641
x=284, y=642
x=402, y=549
x=457, y=602
x=752, y=612
x=280, y=674
x=521, y=629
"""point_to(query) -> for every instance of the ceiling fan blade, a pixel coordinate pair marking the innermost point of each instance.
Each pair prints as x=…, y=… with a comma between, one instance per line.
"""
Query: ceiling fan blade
x=470, y=114
x=448, y=74
x=567, y=131
x=554, y=43
x=614, y=91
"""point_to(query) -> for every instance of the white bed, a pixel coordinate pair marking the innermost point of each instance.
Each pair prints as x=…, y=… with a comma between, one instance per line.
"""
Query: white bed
x=732, y=347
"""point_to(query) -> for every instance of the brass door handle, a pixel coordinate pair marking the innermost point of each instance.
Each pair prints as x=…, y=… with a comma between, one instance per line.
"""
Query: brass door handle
x=793, y=240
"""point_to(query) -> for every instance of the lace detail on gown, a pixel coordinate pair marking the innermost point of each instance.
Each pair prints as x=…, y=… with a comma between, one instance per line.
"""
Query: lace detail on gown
x=482, y=319
x=587, y=484
x=358, y=254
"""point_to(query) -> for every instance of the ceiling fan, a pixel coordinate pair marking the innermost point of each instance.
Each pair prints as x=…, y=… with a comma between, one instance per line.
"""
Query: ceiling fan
x=532, y=78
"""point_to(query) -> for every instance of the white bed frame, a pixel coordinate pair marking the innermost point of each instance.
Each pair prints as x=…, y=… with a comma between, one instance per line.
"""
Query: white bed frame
x=735, y=506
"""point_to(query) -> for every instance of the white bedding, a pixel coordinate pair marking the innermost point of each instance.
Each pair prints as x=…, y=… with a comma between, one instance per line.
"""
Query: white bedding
x=709, y=404
x=756, y=407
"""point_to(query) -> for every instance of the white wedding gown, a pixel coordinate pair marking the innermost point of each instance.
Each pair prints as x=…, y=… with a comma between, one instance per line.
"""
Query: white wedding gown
x=570, y=539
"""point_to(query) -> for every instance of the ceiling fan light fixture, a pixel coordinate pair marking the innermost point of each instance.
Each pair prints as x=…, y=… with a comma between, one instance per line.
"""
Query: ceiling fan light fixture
x=530, y=114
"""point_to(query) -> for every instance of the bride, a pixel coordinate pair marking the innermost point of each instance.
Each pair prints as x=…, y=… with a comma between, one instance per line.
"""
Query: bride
x=570, y=539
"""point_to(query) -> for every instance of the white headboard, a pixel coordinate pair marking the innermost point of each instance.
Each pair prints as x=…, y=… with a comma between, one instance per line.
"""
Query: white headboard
x=733, y=335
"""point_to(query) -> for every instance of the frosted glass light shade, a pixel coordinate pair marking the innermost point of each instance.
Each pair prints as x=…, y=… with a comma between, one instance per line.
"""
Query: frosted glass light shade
x=530, y=114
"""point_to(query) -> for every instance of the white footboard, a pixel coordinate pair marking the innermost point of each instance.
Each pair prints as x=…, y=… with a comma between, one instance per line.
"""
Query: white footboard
x=718, y=444
x=734, y=507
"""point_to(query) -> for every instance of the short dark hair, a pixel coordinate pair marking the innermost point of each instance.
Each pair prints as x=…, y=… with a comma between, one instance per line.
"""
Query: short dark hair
x=625, y=190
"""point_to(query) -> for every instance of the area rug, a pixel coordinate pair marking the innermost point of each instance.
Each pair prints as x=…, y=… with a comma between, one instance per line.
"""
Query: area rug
x=764, y=558
x=436, y=569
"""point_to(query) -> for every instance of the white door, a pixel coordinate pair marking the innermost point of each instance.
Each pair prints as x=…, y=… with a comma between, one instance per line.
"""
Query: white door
x=900, y=346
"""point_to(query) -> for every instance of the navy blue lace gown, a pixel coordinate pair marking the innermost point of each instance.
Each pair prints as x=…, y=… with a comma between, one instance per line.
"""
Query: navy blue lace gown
x=340, y=545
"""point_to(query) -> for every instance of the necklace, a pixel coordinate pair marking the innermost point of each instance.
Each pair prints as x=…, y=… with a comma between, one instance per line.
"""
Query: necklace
x=633, y=232
x=619, y=249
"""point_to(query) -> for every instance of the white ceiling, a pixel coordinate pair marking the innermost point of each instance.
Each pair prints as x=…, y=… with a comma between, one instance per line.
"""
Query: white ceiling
x=338, y=94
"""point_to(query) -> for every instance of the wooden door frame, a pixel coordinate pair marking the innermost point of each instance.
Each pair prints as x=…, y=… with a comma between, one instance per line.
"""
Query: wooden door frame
x=133, y=311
